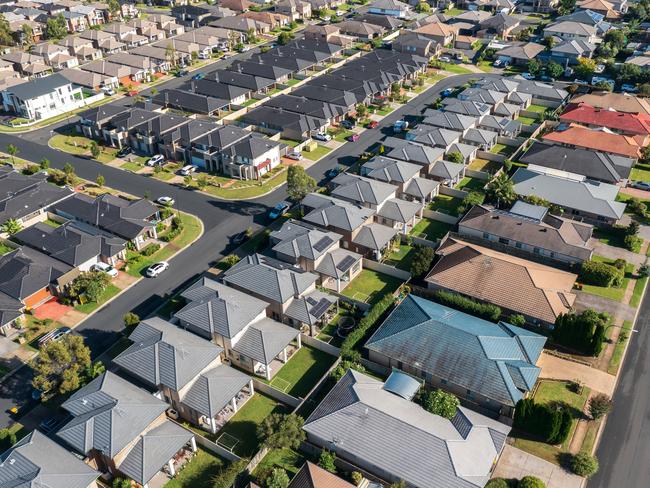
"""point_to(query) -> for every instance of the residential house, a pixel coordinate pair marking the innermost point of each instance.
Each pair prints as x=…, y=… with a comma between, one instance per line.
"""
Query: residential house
x=275, y=20
x=123, y=430
x=328, y=33
x=573, y=161
x=418, y=44
x=132, y=220
x=194, y=16
x=365, y=422
x=520, y=54
x=76, y=21
x=456, y=352
x=55, y=55
x=619, y=122
x=569, y=52
x=389, y=23
x=251, y=158
x=94, y=16
x=28, y=65
x=501, y=25
x=433, y=136
x=242, y=24
x=529, y=230
x=295, y=9
x=360, y=30
x=392, y=8
x=501, y=125
x=603, y=140
x=37, y=460
x=443, y=34
x=588, y=17
x=290, y=125
x=542, y=6
x=412, y=152
x=466, y=107
x=569, y=30
x=313, y=476
x=449, y=120
x=603, y=7
x=582, y=199
x=410, y=186
x=234, y=95
x=448, y=173
x=237, y=5
x=82, y=48
x=621, y=102
x=538, y=292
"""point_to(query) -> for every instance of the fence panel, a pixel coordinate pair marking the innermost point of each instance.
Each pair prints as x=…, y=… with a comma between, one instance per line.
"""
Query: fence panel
x=498, y=158
x=215, y=448
x=386, y=269
x=452, y=192
x=275, y=393
x=320, y=345
x=440, y=217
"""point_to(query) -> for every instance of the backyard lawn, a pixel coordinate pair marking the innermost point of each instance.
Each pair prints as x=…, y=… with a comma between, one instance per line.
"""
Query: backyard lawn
x=287, y=459
x=371, y=286
x=316, y=154
x=200, y=471
x=301, y=373
x=401, y=257
x=430, y=229
x=471, y=184
x=502, y=149
x=446, y=204
x=484, y=165
x=540, y=109
x=613, y=293
x=243, y=425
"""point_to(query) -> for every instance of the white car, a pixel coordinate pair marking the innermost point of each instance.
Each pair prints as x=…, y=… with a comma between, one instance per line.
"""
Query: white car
x=294, y=155
x=157, y=159
x=106, y=268
x=445, y=59
x=166, y=201
x=321, y=136
x=157, y=268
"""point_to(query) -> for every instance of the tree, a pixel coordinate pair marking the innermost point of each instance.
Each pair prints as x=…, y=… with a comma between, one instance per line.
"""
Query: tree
x=114, y=6
x=95, y=151
x=56, y=27
x=89, y=284
x=585, y=68
x=422, y=259
x=251, y=36
x=566, y=6
x=549, y=42
x=28, y=34
x=12, y=151
x=100, y=180
x=633, y=228
x=7, y=439
x=285, y=37
x=585, y=465
x=60, y=363
x=94, y=370
x=45, y=163
x=455, y=157
x=11, y=226
x=299, y=183
x=616, y=38
x=131, y=319
x=277, y=479
x=398, y=484
x=227, y=475
x=121, y=483
x=423, y=7
x=327, y=461
x=230, y=260
x=517, y=320
x=599, y=406
x=534, y=67
x=280, y=431
x=554, y=70
x=357, y=477
x=202, y=181
x=497, y=483
x=6, y=39
x=170, y=54
x=500, y=190
x=584, y=331
x=530, y=482
x=68, y=169
x=440, y=403
x=362, y=110
x=187, y=181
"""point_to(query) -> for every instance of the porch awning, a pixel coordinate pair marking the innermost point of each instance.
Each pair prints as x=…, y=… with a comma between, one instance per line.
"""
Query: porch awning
x=214, y=389
x=264, y=340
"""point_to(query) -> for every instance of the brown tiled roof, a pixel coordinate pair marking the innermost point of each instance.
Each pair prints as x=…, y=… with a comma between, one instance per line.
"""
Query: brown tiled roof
x=615, y=101
x=598, y=140
x=313, y=476
x=512, y=283
x=437, y=29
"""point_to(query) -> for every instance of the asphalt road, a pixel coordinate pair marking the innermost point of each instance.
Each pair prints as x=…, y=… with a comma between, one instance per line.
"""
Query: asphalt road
x=624, y=450
x=221, y=220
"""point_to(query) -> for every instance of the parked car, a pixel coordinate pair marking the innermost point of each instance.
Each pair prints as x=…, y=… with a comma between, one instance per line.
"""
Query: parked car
x=640, y=185
x=166, y=201
x=447, y=92
x=445, y=59
x=204, y=55
x=244, y=49
x=155, y=160
x=105, y=268
x=182, y=72
x=296, y=155
x=125, y=151
x=400, y=126
x=331, y=173
x=239, y=238
x=373, y=124
x=629, y=88
x=187, y=170
x=354, y=137
x=198, y=76
x=48, y=425
x=108, y=91
x=54, y=335
x=322, y=136
x=157, y=268
x=528, y=76
x=279, y=209
x=348, y=124
x=498, y=63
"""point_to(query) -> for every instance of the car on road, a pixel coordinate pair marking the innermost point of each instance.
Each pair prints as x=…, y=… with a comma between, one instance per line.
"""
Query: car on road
x=54, y=335
x=166, y=201
x=157, y=268
x=182, y=72
x=447, y=92
x=105, y=268
x=527, y=76
x=125, y=151
x=155, y=160
x=296, y=155
x=348, y=124
x=322, y=136
x=239, y=238
x=640, y=185
x=48, y=425
x=198, y=76
x=373, y=124
x=279, y=209
x=354, y=137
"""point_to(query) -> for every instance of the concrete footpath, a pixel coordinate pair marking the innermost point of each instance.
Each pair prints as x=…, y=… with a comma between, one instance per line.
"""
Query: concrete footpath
x=515, y=463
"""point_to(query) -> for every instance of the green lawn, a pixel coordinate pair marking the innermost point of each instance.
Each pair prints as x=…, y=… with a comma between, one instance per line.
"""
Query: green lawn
x=255, y=189
x=305, y=368
x=200, y=471
x=4, y=249
x=401, y=258
x=540, y=109
x=290, y=142
x=341, y=136
x=249, y=102
x=639, y=286
x=455, y=68
x=293, y=82
x=485, y=66
x=612, y=236
x=129, y=166
x=640, y=174
x=526, y=120
x=384, y=111
x=453, y=12
x=502, y=149
x=370, y=286
x=316, y=154
x=471, y=184
x=70, y=144
x=244, y=424
x=617, y=357
x=430, y=229
x=446, y=204
x=485, y=165
x=89, y=307
x=613, y=293
x=163, y=175
x=287, y=459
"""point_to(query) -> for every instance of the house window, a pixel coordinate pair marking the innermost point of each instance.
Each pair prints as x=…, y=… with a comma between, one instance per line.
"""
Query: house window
x=536, y=250
x=486, y=235
x=518, y=245
x=443, y=382
x=503, y=240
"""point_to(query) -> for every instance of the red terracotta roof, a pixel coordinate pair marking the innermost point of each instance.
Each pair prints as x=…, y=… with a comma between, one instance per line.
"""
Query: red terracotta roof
x=599, y=140
x=620, y=121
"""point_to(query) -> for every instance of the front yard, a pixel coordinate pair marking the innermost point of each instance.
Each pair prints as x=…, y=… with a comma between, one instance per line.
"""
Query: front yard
x=301, y=373
x=430, y=229
x=615, y=293
x=80, y=145
x=89, y=307
x=317, y=153
x=340, y=135
x=371, y=286
x=230, y=189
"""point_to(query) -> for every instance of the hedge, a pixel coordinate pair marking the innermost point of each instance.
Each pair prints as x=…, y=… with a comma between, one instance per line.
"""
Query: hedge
x=486, y=311
x=601, y=274
x=150, y=249
x=376, y=313
x=584, y=331
x=549, y=423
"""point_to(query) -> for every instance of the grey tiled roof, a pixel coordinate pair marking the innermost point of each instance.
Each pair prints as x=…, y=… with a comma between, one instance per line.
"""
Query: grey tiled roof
x=495, y=361
x=421, y=187
x=153, y=450
x=264, y=340
x=108, y=414
x=214, y=389
x=330, y=265
x=360, y=420
x=389, y=170
x=36, y=461
x=300, y=240
x=163, y=354
x=416, y=153
x=448, y=120
x=218, y=309
x=269, y=278
x=308, y=309
x=433, y=136
x=361, y=190
x=375, y=236
x=399, y=210
x=332, y=212
x=10, y=309
x=25, y=271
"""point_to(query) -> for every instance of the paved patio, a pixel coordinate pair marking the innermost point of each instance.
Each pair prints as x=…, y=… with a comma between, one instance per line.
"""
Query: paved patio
x=557, y=368
x=515, y=463
x=53, y=310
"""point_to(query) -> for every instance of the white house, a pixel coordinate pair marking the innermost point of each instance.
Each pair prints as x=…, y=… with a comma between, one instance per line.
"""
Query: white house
x=390, y=7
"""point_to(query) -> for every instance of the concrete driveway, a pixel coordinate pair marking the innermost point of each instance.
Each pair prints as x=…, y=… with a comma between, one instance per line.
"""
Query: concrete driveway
x=515, y=463
x=557, y=368
x=612, y=252
x=615, y=309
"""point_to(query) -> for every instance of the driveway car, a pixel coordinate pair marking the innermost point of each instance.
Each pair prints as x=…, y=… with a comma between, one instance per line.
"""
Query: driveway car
x=447, y=92
x=294, y=155
x=321, y=136
x=157, y=268
x=279, y=209
x=528, y=76
x=445, y=59
x=348, y=124
x=157, y=159
x=166, y=201
x=239, y=238
x=54, y=335
x=125, y=151
x=640, y=185
x=105, y=268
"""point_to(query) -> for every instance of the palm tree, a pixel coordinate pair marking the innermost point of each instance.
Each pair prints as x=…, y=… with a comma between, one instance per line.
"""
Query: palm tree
x=11, y=226
x=501, y=190
x=12, y=150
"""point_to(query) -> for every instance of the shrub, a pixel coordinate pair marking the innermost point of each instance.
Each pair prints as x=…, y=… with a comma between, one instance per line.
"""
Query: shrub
x=440, y=403
x=421, y=264
x=30, y=169
x=517, y=320
x=165, y=213
x=530, y=482
x=472, y=198
x=278, y=479
x=356, y=477
x=7, y=439
x=342, y=368
x=497, y=483
x=327, y=461
x=584, y=464
x=121, y=483
x=601, y=274
x=633, y=243
x=228, y=474
x=584, y=331
x=131, y=319
x=150, y=250
x=230, y=260
x=486, y=311
x=367, y=323
x=549, y=423
x=599, y=406
x=637, y=207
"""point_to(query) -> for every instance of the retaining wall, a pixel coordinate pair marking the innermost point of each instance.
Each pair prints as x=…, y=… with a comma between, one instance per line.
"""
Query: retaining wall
x=386, y=269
